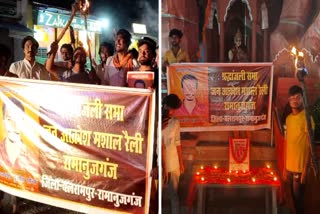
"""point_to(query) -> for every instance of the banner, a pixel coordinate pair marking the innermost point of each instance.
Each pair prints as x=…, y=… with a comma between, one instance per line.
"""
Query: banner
x=222, y=96
x=80, y=147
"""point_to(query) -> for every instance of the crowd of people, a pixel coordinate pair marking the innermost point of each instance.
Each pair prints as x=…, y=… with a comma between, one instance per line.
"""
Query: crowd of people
x=111, y=71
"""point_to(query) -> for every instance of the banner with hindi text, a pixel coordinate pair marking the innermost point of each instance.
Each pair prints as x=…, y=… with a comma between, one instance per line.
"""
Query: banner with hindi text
x=81, y=147
x=222, y=96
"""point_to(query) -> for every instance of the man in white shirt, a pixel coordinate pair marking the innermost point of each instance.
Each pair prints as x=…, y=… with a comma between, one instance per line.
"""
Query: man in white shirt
x=28, y=68
x=119, y=64
x=172, y=161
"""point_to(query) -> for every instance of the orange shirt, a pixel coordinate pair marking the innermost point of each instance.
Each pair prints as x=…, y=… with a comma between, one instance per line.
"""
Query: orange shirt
x=297, y=142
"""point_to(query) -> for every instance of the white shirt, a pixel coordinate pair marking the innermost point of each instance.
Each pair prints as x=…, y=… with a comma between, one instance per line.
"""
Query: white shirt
x=171, y=139
x=25, y=70
x=115, y=77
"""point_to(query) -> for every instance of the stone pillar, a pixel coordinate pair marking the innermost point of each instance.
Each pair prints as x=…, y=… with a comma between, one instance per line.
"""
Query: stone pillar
x=265, y=45
x=221, y=54
x=254, y=41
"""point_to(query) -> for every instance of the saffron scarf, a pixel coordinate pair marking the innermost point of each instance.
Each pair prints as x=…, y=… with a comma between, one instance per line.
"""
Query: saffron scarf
x=126, y=62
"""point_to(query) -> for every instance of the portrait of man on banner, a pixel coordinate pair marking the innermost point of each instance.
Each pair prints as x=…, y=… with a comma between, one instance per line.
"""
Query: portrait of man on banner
x=140, y=79
x=139, y=84
x=191, y=106
x=14, y=153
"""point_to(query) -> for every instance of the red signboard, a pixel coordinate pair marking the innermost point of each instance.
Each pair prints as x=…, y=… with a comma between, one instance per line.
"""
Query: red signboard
x=239, y=154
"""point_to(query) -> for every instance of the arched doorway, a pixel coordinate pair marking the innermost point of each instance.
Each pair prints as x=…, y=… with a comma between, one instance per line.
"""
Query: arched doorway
x=238, y=17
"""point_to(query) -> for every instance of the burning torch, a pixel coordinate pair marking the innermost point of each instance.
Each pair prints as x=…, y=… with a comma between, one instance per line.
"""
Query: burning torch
x=301, y=72
x=84, y=6
x=75, y=8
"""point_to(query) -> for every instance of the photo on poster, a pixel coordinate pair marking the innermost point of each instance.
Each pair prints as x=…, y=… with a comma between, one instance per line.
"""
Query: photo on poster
x=140, y=79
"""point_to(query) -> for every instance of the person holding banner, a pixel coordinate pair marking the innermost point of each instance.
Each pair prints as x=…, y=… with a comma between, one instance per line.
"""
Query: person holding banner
x=172, y=160
x=147, y=53
x=28, y=68
x=190, y=105
x=296, y=150
x=147, y=56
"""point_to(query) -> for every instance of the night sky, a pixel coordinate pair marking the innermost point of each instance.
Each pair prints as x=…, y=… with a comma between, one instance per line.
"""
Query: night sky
x=120, y=13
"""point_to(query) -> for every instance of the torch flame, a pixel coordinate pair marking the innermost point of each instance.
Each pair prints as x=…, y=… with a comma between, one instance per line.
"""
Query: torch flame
x=300, y=54
x=298, y=57
x=294, y=51
x=84, y=6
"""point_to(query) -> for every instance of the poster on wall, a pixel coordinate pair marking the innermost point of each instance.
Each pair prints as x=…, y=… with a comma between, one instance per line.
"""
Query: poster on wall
x=239, y=154
x=72, y=145
x=222, y=96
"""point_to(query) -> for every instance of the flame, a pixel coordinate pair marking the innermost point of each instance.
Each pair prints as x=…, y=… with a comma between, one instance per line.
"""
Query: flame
x=300, y=54
x=83, y=39
x=84, y=6
x=298, y=57
x=294, y=51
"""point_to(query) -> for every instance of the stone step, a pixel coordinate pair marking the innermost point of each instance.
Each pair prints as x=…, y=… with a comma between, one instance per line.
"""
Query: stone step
x=220, y=152
x=260, y=136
